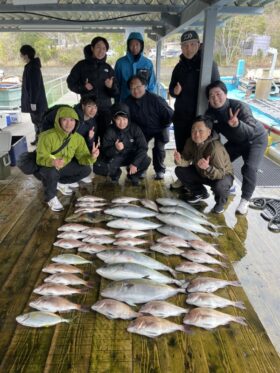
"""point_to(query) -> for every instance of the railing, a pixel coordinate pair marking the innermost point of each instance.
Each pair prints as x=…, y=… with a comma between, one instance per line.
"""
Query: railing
x=55, y=89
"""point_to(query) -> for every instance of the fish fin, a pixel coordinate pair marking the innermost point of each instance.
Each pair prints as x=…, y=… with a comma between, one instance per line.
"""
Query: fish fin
x=90, y=284
x=185, y=284
x=173, y=273
x=240, y=305
x=241, y=320
x=179, y=283
x=235, y=283
x=224, y=265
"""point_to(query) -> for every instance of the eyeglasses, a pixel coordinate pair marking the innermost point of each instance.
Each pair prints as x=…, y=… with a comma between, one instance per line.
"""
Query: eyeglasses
x=136, y=87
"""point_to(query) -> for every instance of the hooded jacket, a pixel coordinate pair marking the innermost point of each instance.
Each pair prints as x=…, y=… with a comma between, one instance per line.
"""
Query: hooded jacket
x=130, y=65
x=33, y=90
x=51, y=140
x=219, y=163
x=94, y=71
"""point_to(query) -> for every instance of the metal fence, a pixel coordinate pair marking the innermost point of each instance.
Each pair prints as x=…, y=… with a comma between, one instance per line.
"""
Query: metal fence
x=55, y=89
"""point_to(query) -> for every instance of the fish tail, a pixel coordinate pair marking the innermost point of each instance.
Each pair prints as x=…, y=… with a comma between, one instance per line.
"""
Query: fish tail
x=234, y=283
x=83, y=308
x=90, y=284
x=185, y=284
x=241, y=320
x=240, y=305
x=83, y=290
x=178, y=282
x=173, y=273
x=224, y=265
x=186, y=329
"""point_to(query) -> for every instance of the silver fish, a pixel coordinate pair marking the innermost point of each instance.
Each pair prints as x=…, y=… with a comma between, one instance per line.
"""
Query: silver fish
x=90, y=204
x=67, y=279
x=160, y=308
x=136, y=249
x=99, y=240
x=152, y=326
x=89, y=198
x=200, y=257
x=68, y=243
x=208, y=318
x=89, y=217
x=124, y=256
x=96, y=231
x=72, y=235
x=205, y=247
x=61, y=268
x=149, y=204
x=92, y=248
x=129, y=241
x=125, y=271
x=185, y=234
x=210, y=300
x=183, y=222
x=84, y=210
x=130, y=233
x=114, y=309
x=55, y=304
x=38, y=319
x=138, y=224
x=70, y=259
x=179, y=202
x=166, y=249
x=139, y=291
x=173, y=240
x=124, y=199
x=192, y=268
x=57, y=289
x=209, y=284
x=72, y=227
x=129, y=211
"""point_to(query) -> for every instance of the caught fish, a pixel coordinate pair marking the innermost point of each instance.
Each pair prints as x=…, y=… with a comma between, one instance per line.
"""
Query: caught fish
x=125, y=271
x=138, y=224
x=89, y=198
x=72, y=235
x=210, y=300
x=72, y=227
x=173, y=240
x=90, y=204
x=149, y=204
x=205, y=247
x=114, y=309
x=38, y=319
x=57, y=289
x=130, y=233
x=124, y=256
x=99, y=240
x=92, y=248
x=129, y=211
x=68, y=243
x=67, y=279
x=208, y=318
x=200, y=257
x=56, y=304
x=136, y=249
x=161, y=308
x=185, y=234
x=166, y=249
x=129, y=241
x=92, y=218
x=70, y=259
x=209, y=284
x=152, y=326
x=96, y=231
x=61, y=268
x=139, y=291
x=192, y=268
x=85, y=210
x=179, y=202
x=124, y=200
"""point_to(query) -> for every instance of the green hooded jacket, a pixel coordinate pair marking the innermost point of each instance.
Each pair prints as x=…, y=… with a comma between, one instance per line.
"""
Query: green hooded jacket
x=52, y=139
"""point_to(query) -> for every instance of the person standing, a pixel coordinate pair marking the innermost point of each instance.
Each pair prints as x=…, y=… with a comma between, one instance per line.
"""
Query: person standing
x=153, y=115
x=33, y=95
x=246, y=137
x=134, y=63
x=94, y=76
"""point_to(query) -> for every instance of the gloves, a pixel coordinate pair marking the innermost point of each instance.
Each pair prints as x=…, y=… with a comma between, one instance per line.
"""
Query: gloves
x=33, y=107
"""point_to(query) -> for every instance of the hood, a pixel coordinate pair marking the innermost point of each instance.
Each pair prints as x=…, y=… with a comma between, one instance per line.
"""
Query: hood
x=135, y=36
x=65, y=112
x=36, y=62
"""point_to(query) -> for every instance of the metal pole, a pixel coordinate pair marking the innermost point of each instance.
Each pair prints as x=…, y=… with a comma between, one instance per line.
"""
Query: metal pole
x=158, y=64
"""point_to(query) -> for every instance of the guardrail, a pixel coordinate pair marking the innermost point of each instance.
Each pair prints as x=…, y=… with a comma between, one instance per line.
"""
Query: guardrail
x=55, y=89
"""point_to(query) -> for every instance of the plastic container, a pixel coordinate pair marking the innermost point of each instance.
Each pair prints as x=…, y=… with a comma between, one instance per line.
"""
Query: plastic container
x=263, y=88
x=10, y=95
x=19, y=146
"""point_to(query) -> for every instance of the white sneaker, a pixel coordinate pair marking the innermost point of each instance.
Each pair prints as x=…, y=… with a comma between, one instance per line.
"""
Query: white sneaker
x=73, y=185
x=87, y=180
x=55, y=205
x=242, y=208
x=64, y=189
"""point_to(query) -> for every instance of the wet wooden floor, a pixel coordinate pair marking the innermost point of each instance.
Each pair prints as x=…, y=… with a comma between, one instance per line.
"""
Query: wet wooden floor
x=92, y=343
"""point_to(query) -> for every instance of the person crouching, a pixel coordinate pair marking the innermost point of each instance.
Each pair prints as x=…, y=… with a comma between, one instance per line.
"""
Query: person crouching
x=208, y=163
x=63, y=157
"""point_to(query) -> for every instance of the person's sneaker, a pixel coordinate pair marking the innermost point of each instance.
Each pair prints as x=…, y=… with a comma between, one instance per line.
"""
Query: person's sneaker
x=64, y=189
x=198, y=197
x=218, y=209
x=73, y=185
x=176, y=185
x=55, y=204
x=159, y=176
x=143, y=175
x=86, y=180
x=242, y=208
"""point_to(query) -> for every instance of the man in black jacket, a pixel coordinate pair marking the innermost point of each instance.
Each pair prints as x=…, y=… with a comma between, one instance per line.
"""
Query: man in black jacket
x=123, y=145
x=153, y=115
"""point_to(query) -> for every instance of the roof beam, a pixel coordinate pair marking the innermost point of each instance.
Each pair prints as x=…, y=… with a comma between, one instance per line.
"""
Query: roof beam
x=241, y=10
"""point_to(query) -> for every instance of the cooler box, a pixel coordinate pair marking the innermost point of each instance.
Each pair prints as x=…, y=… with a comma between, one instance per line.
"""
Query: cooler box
x=10, y=95
x=19, y=146
x=5, y=146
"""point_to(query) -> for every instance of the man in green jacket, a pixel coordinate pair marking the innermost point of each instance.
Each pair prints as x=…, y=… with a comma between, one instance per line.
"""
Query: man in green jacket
x=70, y=164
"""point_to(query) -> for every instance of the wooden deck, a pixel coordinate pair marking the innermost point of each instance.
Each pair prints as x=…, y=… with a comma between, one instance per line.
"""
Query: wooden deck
x=92, y=343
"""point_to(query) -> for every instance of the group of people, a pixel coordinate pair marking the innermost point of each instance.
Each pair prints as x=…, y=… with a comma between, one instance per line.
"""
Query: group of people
x=109, y=137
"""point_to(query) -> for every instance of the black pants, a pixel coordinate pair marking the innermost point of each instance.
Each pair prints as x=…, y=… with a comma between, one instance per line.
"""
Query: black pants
x=160, y=139
x=36, y=119
x=103, y=121
x=195, y=183
x=252, y=154
x=182, y=131
x=50, y=176
x=112, y=167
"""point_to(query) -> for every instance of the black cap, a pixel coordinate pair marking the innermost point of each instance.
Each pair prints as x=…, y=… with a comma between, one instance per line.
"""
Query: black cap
x=189, y=35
